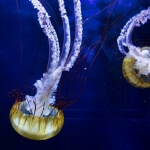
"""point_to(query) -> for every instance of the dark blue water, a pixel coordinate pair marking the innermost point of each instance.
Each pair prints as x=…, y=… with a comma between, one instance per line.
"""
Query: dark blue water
x=110, y=114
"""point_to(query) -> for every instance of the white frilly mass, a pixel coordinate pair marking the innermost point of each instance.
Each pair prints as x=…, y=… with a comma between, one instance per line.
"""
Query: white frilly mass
x=142, y=57
x=38, y=105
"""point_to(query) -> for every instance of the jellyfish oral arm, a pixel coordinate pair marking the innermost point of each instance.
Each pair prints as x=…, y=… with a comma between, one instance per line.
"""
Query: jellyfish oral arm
x=78, y=36
x=67, y=36
x=124, y=40
x=45, y=23
x=38, y=105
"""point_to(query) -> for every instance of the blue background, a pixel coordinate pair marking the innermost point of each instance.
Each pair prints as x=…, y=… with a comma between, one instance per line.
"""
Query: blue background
x=110, y=114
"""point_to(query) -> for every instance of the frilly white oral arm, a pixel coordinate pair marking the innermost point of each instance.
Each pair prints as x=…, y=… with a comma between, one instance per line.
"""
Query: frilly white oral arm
x=65, y=62
x=39, y=104
x=65, y=49
x=47, y=85
x=78, y=36
x=124, y=40
x=67, y=38
x=45, y=23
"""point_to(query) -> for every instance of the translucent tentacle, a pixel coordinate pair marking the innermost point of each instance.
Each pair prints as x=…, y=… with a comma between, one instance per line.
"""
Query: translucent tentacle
x=78, y=36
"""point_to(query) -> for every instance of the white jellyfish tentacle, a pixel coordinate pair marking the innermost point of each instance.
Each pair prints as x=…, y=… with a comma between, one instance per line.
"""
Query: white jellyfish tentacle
x=122, y=38
x=65, y=62
x=40, y=102
x=45, y=93
x=126, y=32
x=125, y=40
x=67, y=37
x=78, y=36
x=45, y=23
x=47, y=85
x=66, y=47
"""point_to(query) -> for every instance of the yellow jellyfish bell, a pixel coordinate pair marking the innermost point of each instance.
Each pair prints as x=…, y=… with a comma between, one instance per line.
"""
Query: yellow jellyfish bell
x=37, y=117
x=35, y=127
x=130, y=73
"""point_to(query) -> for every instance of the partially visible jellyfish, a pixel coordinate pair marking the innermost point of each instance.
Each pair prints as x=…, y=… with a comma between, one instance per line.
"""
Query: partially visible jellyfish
x=136, y=64
x=37, y=117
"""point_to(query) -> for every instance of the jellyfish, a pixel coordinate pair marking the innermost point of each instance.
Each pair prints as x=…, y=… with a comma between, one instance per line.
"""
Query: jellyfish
x=136, y=64
x=36, y=117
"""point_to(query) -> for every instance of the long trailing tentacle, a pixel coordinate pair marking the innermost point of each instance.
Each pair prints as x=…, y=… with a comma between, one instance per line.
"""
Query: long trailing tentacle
x=124, y=40
x=47, y=85
x=67, y=38
x=69, y=62
x=45, y=23
x=78, y=36
x=44, y=86
x=65, y=50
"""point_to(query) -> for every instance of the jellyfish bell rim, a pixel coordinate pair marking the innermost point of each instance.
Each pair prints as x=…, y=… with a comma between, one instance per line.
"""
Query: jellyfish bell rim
x=35, y=127
x=129, y=72
x=145, y=48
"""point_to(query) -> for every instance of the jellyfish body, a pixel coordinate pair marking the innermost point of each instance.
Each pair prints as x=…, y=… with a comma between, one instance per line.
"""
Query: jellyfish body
x=35, y=127
x=136, y=65
x=131, y=73
x=37, y=117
